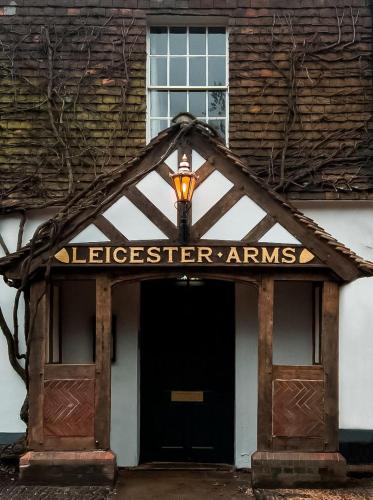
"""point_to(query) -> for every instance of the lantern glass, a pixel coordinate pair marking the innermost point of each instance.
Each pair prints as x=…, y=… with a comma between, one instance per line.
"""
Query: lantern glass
x=184, y=184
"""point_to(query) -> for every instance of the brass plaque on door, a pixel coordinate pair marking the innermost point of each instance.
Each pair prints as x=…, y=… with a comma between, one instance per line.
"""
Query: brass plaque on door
x=187, y=396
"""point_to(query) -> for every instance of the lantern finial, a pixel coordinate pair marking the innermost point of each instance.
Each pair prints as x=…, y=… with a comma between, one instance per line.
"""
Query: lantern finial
x=184, y=162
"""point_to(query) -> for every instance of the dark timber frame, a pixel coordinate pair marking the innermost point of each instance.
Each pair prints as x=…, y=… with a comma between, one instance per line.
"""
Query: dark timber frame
x=96, y=427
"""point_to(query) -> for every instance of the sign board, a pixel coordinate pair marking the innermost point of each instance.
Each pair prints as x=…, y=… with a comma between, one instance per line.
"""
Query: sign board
x=93, y=255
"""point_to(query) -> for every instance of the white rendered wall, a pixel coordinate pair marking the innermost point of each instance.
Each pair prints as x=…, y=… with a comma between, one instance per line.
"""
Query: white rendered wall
x=125, y=376
x=352, y=224
x=12, y=388
x=246, y=374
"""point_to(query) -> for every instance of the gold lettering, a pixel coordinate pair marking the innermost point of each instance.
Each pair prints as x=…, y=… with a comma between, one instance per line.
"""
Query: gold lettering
x=186, y=255
x=270, y=258
x=107, y=255
x=170, y=251
x=288, y=255
x=135, y=255
x=94, y=255
x=153, y=255
x=75, y=259
x=250, y=253
x=233, y=255
x=116, y=258
x=204, y=254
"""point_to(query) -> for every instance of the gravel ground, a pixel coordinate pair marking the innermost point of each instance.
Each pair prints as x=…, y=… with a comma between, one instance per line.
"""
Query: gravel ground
x=177, y=485
x=10, y=490
x=355, y=489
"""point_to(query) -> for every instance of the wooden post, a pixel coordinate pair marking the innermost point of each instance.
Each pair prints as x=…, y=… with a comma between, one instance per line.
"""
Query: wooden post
x=265, y=315
x=183, y=221
x=39, y=322
x=330, y=351
x=103, y=362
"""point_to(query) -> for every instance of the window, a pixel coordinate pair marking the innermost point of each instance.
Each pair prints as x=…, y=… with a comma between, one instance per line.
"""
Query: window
x=187, y=71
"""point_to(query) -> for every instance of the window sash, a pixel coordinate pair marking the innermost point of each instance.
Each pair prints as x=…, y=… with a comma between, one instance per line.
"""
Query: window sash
x=187, y=88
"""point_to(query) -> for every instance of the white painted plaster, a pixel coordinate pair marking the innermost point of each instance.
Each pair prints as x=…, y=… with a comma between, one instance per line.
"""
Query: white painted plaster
x=89, y=234
x=160, y=193
x=209, y=193
x=197, y=160
x=292, y=323
x=12, y=389
x=171, y=161
x=9, y=225
x=356, y=355
x=246, y=374
x=125, y=376
x=352, y=224
x=131, y=222
x=278, y=234
x=237, y=222
x=34, y=219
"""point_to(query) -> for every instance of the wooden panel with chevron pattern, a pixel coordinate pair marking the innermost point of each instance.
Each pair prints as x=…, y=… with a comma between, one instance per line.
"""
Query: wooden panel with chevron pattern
x=298, y=408
x=69, y=407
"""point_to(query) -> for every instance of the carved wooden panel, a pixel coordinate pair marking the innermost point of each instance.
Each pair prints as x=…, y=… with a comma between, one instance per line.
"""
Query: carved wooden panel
x=69, y=407
x=298, y=408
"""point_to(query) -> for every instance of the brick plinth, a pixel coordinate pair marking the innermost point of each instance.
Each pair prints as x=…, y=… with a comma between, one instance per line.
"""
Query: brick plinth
x=68, y=468
x=292, y=469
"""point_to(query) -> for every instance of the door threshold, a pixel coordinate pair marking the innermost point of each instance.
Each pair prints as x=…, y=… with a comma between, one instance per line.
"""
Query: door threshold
x=183, y=466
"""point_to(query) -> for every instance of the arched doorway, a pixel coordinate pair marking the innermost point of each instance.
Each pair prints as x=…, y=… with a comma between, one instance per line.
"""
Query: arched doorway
x=221, y=333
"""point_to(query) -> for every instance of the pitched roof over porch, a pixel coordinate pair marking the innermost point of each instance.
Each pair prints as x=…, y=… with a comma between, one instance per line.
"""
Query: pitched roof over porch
x=134, y=203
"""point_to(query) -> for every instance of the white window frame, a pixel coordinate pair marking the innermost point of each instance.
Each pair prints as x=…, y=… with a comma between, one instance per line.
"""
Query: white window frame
x=204, y=88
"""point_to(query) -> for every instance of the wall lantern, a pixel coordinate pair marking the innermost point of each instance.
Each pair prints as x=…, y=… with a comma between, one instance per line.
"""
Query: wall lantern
x=184, y=182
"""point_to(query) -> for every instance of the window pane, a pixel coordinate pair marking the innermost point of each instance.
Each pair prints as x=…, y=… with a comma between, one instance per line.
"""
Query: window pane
x=178, y=103
x=197, y=71
x=197, y=41
x=178, y=71
x=76, y=335
x=158, y=40
x=216, y=71
x=218, y=125
x=293, y=323
x=156, y=126
x=197, y=103
x=158, y=103
x=158, y=71
x=216, y=41
x=178, y=40
x=216, y=100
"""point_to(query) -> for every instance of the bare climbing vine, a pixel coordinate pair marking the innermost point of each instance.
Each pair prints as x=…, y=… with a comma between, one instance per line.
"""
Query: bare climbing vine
x=309, y=62
x=59, y=80
x=54, y=102
x=63, y=84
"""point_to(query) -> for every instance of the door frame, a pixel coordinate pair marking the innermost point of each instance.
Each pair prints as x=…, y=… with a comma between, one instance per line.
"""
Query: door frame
x=40, y=310
x=232, y=398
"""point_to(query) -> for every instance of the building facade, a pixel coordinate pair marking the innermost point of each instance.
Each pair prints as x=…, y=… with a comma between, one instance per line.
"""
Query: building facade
x=286, y=98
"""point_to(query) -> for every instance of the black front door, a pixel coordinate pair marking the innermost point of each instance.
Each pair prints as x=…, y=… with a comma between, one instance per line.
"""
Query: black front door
x=187, y=371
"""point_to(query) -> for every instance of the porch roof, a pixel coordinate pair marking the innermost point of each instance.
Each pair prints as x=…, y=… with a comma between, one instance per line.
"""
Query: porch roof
x=81, y=210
